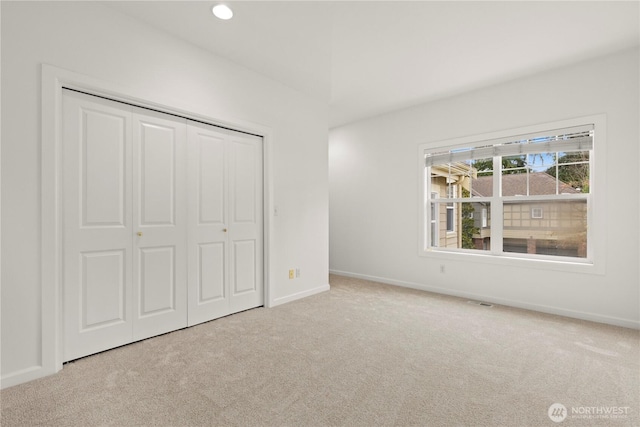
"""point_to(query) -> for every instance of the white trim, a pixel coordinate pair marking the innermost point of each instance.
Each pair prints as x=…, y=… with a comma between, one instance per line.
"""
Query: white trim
x=424, y=211
x=53, y=79
x=496, y=148
x=596, y=238
x=433, y=222
x=472, y=140
x=22, y=376
x=300, y=295
x=582, y=315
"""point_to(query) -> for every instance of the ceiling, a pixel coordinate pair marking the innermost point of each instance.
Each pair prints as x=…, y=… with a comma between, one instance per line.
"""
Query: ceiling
x=370, y=57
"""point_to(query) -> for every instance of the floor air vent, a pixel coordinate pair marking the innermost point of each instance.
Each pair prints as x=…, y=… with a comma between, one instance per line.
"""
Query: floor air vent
x=484, y=304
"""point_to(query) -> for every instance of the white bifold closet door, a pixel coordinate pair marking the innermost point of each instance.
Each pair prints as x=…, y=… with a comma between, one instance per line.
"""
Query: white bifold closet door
x=225, y=222
x=125, y=224
x=140, y=257
x=97, y=225
x=160, y=224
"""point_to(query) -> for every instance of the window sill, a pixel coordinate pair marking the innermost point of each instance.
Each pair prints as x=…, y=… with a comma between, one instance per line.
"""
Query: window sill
x=507, y=260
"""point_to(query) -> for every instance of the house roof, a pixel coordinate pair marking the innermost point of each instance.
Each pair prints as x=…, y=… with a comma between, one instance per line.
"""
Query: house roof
x=540, y=183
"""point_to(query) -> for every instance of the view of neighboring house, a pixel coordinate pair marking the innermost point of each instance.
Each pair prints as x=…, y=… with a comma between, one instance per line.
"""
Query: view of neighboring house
x=549, y=227
x=449, y=181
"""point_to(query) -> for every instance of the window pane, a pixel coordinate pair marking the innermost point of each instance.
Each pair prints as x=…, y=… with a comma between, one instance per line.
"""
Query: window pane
x=573, y=157
x=541, y=162
x=481, y=185
x=547, y=228
x=514, y=178
x=476, y=231
x=514, y=164
x=452, y=180
x=573, y=171
x=460, y=225
x=465, y=179
x=545, y=173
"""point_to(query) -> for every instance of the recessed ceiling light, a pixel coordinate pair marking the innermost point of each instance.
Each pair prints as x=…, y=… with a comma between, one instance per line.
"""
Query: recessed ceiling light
x=222, y=11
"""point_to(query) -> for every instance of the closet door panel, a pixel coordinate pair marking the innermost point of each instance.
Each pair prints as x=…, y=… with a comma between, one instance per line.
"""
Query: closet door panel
x=211, y=272
x=244, y=181
x=157, y=162
x=160, y=222
x=245, y=228
x=97, y=232
x=103, y=288
x=208, y=199
x=244, y=272
x=102, y=168
x=157, y=281
x=211, y=180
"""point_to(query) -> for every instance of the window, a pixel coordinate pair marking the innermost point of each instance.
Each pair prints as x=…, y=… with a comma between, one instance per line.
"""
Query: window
x=532, y=191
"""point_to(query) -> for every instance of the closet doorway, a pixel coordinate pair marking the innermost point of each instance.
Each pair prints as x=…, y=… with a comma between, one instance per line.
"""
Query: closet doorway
x=162, y=223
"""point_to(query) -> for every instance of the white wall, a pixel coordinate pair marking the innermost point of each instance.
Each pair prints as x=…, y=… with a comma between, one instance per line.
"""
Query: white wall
x=95, y=41
x=374, y=203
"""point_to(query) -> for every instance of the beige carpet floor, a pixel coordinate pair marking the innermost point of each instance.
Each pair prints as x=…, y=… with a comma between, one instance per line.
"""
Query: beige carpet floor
x=363, y=354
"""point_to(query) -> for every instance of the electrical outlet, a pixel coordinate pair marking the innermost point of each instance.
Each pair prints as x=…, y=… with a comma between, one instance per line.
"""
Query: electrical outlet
x=297, y=272
x=441, y=268
x=291, y=274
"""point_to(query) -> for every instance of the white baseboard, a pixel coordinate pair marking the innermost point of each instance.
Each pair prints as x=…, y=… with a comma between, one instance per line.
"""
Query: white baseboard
x=299, y=295
x=593, y=317
x=23, y=376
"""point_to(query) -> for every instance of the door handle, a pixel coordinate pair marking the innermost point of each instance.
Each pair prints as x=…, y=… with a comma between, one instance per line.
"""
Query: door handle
x=224, y=230
x=139, y=233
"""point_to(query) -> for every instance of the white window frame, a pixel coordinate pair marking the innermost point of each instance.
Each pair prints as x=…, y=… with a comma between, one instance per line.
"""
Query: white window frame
x=537, y=213
x=433, y=224
x=594, y=262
